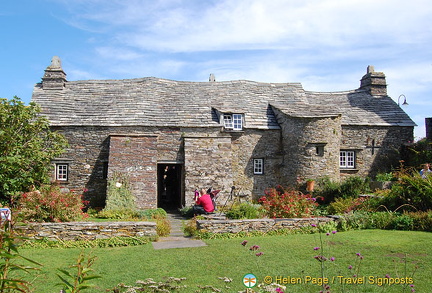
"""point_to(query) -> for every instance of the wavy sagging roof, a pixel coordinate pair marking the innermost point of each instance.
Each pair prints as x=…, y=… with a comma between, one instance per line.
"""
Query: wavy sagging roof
x=161, y=102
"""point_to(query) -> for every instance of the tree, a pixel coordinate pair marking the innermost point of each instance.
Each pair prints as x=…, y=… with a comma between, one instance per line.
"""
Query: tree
x=27, y=146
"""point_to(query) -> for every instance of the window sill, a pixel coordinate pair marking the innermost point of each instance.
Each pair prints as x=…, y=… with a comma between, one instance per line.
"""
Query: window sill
x=232, y=131
x=348, y=170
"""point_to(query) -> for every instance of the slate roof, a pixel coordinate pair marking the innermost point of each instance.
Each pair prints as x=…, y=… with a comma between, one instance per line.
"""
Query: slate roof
x=161, y=102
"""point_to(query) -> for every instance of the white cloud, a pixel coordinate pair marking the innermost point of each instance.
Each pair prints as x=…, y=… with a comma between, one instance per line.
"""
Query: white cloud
x=191, y=26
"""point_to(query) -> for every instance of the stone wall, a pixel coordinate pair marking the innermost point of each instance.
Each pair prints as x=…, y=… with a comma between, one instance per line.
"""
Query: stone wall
x=135, y=156
x=260, y=225
x=89, y=154
x=310, y=147
x=377, y=148
x=86, y=230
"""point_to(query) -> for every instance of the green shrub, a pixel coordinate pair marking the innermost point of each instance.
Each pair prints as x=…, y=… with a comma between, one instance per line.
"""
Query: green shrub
x=119, y=193
x=352, y=186
x=163, y=226
x=283, y=202
x=117, y=214
x=402, y=222
x=344, y=205
x=190, y=228
x=150, y=213
x=417, y=221
x=411, y=191
x=327, y=190
x=379, y=220
x=353, y=221
x=422, y=221
x=245, y=211
x=50, y=204
x=187, y=211
x=383, y=177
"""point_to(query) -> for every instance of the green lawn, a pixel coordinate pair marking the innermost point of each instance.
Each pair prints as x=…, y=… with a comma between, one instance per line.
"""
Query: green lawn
x=284, y=256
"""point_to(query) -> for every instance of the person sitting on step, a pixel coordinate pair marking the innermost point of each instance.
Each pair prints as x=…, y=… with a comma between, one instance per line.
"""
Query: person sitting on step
x=203, y=203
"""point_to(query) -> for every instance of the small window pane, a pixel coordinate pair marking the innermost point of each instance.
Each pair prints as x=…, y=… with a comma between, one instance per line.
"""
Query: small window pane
x=237, y=121
x=347, y=159
x=228, y=123
x=258, y=166
x=62, y=172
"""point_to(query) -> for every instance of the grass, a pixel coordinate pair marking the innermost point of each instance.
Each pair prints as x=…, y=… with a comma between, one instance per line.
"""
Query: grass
x=396, y=253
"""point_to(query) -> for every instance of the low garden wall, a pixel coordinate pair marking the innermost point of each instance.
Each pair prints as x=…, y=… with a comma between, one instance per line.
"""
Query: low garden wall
x=86, y=230
x=261, y=225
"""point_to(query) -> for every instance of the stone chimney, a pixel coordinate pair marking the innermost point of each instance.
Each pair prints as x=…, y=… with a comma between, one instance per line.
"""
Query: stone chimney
x=428, y=122
x=374, y=82
x=54, y=77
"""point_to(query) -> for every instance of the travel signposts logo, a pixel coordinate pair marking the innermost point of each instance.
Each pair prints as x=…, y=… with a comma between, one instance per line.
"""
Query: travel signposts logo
x=250, y=280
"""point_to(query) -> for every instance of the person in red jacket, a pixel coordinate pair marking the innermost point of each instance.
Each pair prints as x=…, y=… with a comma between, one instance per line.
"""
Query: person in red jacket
x=203, y=203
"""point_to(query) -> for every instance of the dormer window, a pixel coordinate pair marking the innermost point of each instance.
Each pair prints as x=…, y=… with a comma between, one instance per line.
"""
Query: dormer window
x=233, y=121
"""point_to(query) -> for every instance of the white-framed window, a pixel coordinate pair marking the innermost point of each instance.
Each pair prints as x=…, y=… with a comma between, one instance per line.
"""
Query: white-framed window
x=258, y=166
x=233, y=121
x=62, y=172
x=347, y=159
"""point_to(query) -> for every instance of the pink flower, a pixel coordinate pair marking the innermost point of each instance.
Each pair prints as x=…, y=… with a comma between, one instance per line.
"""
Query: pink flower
x=316, y=248
x=254, y=247
x=350, y=267
x=244, y=243
x=259, y=253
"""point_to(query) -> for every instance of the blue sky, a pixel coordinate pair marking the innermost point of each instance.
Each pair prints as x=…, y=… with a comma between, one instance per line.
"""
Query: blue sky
x=324, y=44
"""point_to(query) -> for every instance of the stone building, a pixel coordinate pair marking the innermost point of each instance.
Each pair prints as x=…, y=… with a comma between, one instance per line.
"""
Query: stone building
x=170, y=137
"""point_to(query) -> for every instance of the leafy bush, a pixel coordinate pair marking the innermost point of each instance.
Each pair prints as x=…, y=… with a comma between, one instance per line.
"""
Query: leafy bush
x=12, y=269
x=50, y=204
x=353, y=186
x=379, y=220
x=345, y=205
x=353, y=221
x=151, y=213
x=130, y=214
x=245, y=211
x=383, y=177
x=350, y=187
x=117, y=241
x=116, y=214
x=418, y=153
x=422, y=221
x=282, y=202
x=163, y=226
x=186, y=211
x=417, y=221
x=411, y=191
x=190, y=228
x=402, y=222
x=27, y=146
x=327, y=189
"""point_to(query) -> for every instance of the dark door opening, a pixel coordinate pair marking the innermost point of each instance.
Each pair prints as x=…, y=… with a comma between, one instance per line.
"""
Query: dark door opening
x=169, y=186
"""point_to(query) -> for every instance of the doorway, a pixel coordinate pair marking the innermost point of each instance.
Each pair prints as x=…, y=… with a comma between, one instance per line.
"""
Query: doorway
x=169, y=186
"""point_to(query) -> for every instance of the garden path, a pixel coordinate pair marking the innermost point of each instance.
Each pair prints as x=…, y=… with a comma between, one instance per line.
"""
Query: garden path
x=176, y=239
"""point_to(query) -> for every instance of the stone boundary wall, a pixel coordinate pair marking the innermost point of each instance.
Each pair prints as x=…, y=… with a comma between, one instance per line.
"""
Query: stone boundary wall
x=261, y=225
x=86, y=230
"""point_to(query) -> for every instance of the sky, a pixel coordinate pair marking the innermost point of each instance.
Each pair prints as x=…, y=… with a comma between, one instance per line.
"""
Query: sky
x=326, y=45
